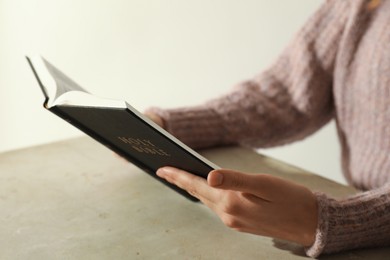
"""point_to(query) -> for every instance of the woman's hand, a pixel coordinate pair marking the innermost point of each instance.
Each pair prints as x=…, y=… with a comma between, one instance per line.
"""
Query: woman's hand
x=259, y=204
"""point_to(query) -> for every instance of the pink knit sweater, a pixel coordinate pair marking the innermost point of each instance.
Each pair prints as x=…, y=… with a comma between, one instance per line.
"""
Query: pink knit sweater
x=337, y=67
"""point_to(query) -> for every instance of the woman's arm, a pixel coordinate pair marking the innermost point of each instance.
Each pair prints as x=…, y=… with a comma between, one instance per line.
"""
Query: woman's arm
x=287, y=102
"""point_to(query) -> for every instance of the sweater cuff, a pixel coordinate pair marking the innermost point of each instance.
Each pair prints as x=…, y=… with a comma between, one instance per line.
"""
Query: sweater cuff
x=322, y=227
x=360, y=221
x=197, y=127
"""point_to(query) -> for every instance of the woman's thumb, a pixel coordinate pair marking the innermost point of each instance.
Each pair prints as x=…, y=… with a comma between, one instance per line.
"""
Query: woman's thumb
x=232, y=180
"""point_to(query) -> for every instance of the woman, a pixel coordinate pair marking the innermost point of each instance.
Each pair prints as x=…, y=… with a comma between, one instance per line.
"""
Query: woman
x=338, y=66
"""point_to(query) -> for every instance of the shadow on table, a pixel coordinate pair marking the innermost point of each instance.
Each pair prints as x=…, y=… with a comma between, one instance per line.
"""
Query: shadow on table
x=374, y=253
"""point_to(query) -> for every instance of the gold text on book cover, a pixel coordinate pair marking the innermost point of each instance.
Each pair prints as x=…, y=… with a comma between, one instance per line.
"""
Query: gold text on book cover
x=143, y=146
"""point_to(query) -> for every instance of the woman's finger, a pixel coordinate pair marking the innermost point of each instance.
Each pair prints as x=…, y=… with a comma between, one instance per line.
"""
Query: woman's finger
x=193, y=184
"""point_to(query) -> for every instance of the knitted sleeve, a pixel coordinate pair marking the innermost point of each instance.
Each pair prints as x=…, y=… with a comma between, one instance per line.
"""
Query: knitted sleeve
x=288, y=101
x=360, y=221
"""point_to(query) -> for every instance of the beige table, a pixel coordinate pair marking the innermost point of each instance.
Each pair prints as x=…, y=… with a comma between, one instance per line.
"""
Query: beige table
x=76, y=200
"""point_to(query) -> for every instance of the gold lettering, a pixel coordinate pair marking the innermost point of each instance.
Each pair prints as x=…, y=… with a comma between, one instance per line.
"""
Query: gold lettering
x=143, y=146
x=163, y=152
x=123, y=139
x=149, y=142
x=138, y=149
x=148, y=150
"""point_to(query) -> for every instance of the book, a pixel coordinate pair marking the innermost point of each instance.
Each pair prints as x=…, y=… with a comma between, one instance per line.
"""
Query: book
x=117, y=125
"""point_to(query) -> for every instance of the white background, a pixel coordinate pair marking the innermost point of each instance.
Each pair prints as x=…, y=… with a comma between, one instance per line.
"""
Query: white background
x=165, y=53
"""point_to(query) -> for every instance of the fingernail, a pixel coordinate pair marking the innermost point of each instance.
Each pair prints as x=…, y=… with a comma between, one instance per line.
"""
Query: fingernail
x=160, y=172
x=217, y=179
x=163, y=172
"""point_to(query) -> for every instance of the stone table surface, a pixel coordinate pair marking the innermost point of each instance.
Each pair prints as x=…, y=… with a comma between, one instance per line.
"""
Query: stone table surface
x=75, y=200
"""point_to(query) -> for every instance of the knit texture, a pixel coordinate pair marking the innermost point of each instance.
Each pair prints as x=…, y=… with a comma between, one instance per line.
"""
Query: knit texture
x=336, y=67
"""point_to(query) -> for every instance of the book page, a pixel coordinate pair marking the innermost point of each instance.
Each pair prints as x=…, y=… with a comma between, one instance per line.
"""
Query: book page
x=53, y=82
x=62, y=90
x=83, y=99
x=63, y=82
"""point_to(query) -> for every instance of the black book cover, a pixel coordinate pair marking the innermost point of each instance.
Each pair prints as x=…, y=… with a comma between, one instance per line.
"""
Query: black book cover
x=123, y=130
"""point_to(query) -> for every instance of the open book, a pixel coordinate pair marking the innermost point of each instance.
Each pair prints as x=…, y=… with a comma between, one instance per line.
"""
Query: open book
x=117, y=125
